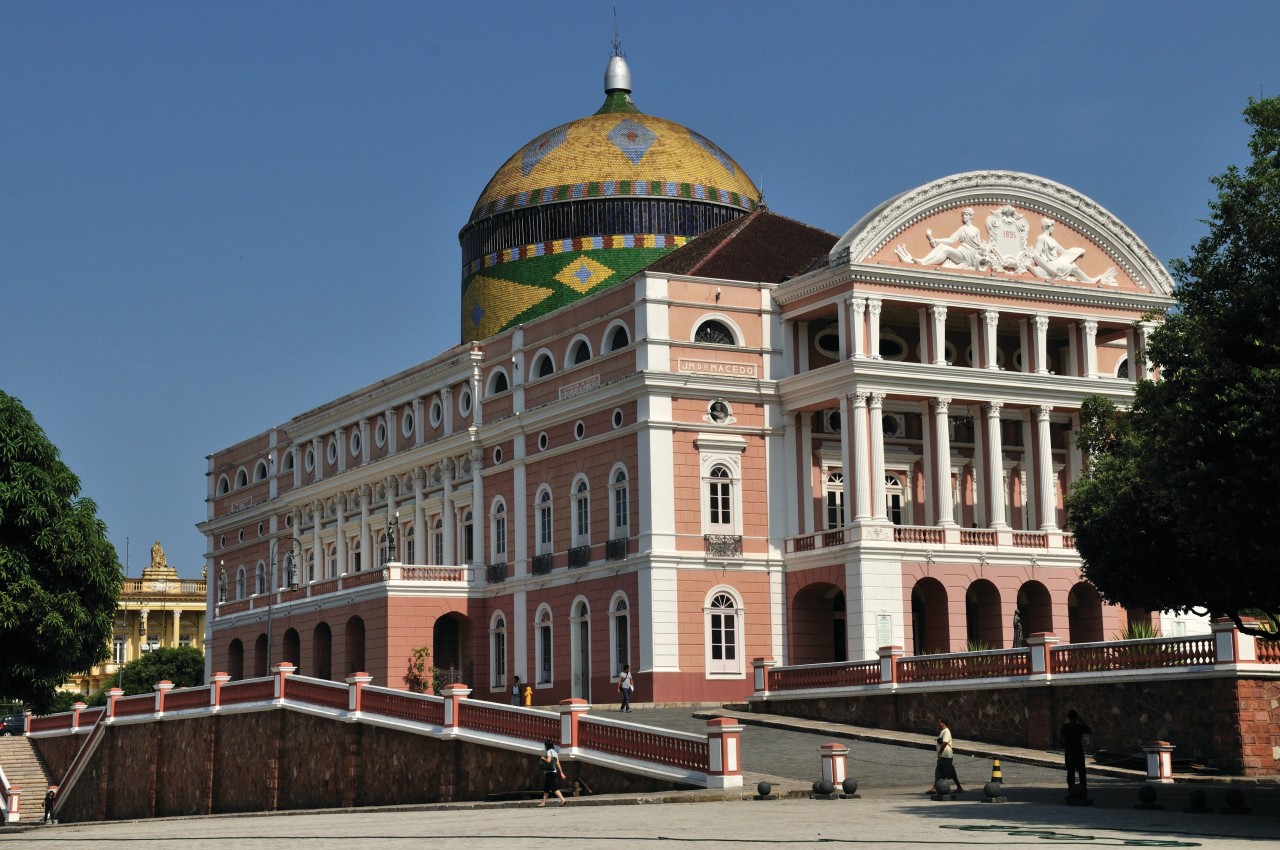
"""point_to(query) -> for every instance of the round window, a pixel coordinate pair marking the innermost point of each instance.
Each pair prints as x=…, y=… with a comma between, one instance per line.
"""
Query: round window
x=407, y=423
x=579, y=430
x=617, y=419
x=310, y=460
x=437, y=413
x=827, y=342
x=497, y=456
x=380, y=434
x=333, y=450
x=542, y=441
x=355, y=443
x=464, y=402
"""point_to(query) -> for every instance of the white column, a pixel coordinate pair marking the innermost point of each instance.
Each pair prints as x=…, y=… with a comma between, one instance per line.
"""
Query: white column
x=447, y=516
x=479, y=510
x=1044, y=460
x=317, y=548
x=393, y=429
x=418, y=428
x=419, y=517
x=317, y=454
x=1090, y=347
x=939, y=315
x=861, y=450
x=446, y=404
x=848, y=461
x=995, y=464
x=942, y=460
x=857, y=315
x=879, y=509
x=366, y=546
x=1144, y=337
x=340, y=443
x=519, y=510
x=177, y=632
x=1042, y=344
x=873, y=334
x=364, y=441
x=1131, y=347
x=340, y=525
x=990, y=350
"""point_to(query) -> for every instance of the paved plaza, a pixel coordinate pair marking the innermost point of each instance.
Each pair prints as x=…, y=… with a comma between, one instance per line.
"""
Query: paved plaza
x=893, y=770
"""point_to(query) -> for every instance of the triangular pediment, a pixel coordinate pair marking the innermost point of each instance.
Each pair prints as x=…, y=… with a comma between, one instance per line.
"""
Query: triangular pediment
x=1007, y=225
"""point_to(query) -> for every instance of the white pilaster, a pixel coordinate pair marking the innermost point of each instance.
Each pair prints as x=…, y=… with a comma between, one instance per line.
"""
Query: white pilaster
x=942, y=460
x=1045, y=474
x=995, y=465
x=879, y=508
x=939, y=315
x=1042, y=344
x=857, y=315
x=861, y=450
x=873, y=335
x=1090, y=346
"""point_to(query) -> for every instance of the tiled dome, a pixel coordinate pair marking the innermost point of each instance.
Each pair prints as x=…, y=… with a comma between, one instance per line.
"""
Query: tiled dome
x=587, y=204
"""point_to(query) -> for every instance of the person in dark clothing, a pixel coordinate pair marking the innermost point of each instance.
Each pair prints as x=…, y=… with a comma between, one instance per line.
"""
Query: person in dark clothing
x=1072, y=735
x=49, y=797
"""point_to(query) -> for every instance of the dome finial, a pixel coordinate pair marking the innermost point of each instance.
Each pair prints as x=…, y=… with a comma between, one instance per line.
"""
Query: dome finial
x=617, y=76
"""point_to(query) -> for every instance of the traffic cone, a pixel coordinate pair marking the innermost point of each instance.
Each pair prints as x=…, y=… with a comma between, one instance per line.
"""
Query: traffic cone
x=995, y=771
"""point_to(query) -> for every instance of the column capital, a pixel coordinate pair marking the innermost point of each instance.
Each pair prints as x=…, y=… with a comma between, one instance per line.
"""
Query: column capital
x=873, y=305
x=858, y=305
x=938, y=312
x=940, y=404
x=1043, y=411
x=877, y=399
x=1042, y=322
x=992, y=408
x=859, y=398
x=991, y=317
x=1090, y=326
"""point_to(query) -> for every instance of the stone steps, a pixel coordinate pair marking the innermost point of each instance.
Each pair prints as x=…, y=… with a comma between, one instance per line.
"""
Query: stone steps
x=24, y=770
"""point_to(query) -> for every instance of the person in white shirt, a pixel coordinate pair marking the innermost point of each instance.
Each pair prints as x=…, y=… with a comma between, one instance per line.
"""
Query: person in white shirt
x=626, y=684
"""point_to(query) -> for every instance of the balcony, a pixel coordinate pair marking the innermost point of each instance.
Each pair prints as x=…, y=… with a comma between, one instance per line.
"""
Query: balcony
x=579, y=556
x=542, y=564
x=495, y=573
x=932, y=535
x=723, y=545
x=392, y=577
x=616, y=549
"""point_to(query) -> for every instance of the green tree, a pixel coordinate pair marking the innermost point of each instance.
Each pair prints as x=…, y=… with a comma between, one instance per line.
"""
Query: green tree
x=1179, y=508
x=59, y=575
x=183, y=665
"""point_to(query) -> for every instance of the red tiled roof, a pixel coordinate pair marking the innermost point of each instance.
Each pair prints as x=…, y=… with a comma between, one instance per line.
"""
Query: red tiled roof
x=761, y=247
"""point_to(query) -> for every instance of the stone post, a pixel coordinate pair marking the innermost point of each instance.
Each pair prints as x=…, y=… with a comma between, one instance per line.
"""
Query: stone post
x=571, y=711
x=1041, y=644
x=215, y=688
x=453, y=697
x=282, y=672
x=724, y=769
x=762, y=666
x=833, y=762
x=889, y=656
x=1159, y=761
x=162, y=688
x=113, y=695
x=75, y=715
x=355, y=684
x=1232, y=646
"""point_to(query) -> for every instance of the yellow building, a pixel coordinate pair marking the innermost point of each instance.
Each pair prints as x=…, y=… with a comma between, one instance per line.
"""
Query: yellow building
x=158, y=610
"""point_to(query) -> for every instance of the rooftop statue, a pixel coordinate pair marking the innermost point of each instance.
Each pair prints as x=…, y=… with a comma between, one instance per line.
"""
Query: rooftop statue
x=963, y=249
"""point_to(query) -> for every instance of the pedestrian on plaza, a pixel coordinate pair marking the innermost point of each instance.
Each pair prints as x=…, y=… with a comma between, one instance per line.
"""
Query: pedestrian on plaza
x=945, y=768
x=516, y=692
x=49, y=797
x=1072, y=736
x=552, y=773
x=626, y=684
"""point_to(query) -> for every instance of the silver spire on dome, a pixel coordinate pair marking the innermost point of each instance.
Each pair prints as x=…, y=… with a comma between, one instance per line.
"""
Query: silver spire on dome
x=617, y=76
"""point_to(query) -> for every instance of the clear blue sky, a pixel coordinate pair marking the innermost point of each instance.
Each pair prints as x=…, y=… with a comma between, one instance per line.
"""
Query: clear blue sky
x=214, y=216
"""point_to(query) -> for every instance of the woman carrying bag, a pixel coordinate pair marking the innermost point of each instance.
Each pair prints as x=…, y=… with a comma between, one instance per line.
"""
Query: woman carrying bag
x=552, y=773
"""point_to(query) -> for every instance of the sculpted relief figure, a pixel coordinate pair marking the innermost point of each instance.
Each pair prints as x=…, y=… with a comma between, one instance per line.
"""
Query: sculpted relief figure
x=963, y=249
x=1054, y=261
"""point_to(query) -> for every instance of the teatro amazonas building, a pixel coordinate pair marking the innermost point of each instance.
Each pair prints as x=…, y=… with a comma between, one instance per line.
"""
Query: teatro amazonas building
x=681, y=432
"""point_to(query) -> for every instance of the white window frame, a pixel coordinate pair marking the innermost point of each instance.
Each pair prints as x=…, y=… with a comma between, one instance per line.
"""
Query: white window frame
x=545, y=526
x=437, y=540
x=260, y=579
x=619, y=503
x=619, y=634
x=833, y=500
x=581, y=500
x=241, y=583
x=498, y=530
x=498, y=651
x=715, y=623
x=331, y=561
x=544, y=647
x=721, y=452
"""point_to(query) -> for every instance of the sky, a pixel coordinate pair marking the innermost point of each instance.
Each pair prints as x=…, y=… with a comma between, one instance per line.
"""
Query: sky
x=215, y=216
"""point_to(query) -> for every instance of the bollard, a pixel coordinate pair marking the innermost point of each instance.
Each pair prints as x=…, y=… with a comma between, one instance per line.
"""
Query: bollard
x=1159, y=761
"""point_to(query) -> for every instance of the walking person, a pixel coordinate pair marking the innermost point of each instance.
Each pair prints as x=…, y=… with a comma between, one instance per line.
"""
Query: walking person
x=625, y=685
x=552, y=773
x=515, y=692
x=49, y=797
x=1072, y=736
x=945, y=768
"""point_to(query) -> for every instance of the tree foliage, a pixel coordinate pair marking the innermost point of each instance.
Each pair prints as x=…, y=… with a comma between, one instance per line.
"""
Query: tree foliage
x=59, y=575
x=1179, y=509
x=182, y=665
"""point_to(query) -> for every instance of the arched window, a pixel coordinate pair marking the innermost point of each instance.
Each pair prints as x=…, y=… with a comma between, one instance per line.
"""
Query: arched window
x=224, y=485
x=260, y=579
x=356, y=566
x=621, y=518
x=579, y=352
x=618, y=338
x=544, y=646
x=835, y=500
x=714, y=332
x=468, y=537
x=332, y=556
x=581, y=513
x=240, y=583
x=895, y=498
x=544, y=366
x=544, y=522
x=410, y=549
x=260, y=471
x=720, y=500
x=384, y=550
x=723, y=635
x=498, y=383
x=498, y=651
x=620, y=649
x=242, y=478
x=288, y=461
x=437, y=541
x=311, y=566
x=498, y=531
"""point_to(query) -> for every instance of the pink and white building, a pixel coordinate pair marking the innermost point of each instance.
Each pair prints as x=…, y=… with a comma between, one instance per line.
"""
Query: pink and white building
x=770, y=442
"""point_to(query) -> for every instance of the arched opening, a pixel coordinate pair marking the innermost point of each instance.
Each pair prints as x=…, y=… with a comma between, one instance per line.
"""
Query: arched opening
x=1035, y=608
x=580, y=629
x=1084, y=614
x=235, y=660
x=930, y=627
x=322, y=652
x=619, y=338
x=355, y=646
x=818, y=630
x=983, y=627
x=447, y=640
x=293, y=648
x=261, y=664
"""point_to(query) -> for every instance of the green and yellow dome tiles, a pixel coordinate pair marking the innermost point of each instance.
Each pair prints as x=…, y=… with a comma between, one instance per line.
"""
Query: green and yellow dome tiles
x=607, y=194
